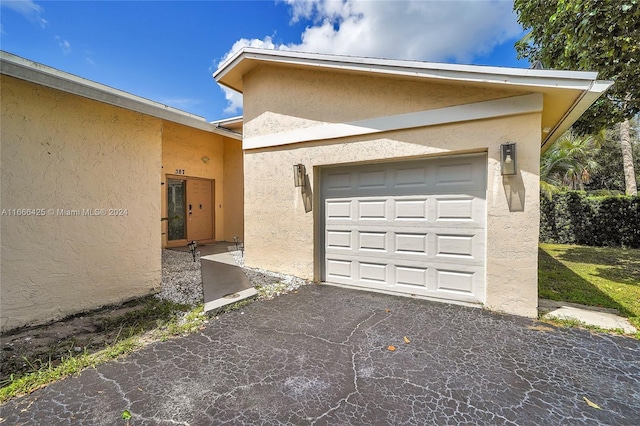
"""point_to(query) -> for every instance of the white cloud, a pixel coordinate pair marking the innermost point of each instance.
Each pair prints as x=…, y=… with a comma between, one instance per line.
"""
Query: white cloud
x=437, y=31
x=234, y=99
x=412, y=29
x=64, y=45
x=28, y=9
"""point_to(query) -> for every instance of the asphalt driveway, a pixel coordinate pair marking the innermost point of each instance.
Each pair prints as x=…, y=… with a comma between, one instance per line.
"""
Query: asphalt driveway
x=321, y=356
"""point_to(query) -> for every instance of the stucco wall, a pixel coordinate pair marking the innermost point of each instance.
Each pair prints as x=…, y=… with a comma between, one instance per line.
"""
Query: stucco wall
x=61, y=152
x=277, y=98
x=184, y=148
x=279, y=234
x=233, y=190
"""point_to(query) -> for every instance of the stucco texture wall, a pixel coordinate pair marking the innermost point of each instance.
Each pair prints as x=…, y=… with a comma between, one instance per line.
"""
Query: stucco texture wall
x=62, y=153
x=233, y=190
x=281, y=236
x=184, y=148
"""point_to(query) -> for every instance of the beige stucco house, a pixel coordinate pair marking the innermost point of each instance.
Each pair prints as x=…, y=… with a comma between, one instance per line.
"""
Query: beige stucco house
x=402, y=186
x=374, y=174
x=95, y=181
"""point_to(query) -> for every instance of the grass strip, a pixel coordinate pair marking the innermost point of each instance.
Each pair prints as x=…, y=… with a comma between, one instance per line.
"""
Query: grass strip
x=180, y=323
x=607, y=277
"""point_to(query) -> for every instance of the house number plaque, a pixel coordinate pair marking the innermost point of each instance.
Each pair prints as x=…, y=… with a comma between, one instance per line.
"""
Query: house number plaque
x=179, y=171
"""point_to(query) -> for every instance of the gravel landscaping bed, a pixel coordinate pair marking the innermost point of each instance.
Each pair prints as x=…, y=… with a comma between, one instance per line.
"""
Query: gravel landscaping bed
x=182, y=279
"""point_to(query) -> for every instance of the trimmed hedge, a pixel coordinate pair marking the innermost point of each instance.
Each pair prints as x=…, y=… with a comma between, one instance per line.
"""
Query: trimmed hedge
x=574, y=218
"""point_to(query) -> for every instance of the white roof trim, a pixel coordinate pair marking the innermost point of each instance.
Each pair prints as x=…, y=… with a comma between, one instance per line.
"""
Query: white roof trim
x=223, y=124
x=23, y=69
x=226, y=121
x=579, y=85
x=505, y=107
x=453, y=72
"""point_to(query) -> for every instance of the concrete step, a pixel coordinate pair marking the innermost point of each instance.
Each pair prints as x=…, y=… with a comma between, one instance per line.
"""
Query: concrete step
x=223, y=281
x=608, y=319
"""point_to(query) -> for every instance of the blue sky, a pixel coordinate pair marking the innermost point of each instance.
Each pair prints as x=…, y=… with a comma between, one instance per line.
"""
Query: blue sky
x=166, y=51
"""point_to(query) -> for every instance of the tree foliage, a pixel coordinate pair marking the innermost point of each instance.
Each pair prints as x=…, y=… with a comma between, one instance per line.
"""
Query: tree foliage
x=569, y=163
x=594, y=35
x=609, y=176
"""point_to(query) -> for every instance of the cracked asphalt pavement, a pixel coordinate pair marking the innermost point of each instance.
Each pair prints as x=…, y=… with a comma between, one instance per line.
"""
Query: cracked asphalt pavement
x=321, y=356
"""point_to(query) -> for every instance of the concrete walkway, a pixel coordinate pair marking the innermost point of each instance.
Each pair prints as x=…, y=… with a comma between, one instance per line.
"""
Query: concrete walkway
x=607, y=319
x=322, y=356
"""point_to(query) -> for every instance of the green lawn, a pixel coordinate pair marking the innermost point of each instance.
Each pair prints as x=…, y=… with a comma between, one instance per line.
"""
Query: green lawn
x=594, y=276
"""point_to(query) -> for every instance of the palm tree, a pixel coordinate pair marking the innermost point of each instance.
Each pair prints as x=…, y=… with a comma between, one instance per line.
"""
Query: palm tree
x=569, y=163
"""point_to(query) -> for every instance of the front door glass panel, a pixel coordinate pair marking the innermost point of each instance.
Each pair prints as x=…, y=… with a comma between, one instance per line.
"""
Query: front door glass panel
x=176, y=200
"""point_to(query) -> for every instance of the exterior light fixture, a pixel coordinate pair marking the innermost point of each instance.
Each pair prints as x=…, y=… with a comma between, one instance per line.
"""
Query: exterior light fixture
x=192, y=248
x=508, y=159
x=299, y=173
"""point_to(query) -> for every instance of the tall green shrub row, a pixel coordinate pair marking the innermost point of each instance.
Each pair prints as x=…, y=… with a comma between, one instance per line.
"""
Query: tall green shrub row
x=574, y=218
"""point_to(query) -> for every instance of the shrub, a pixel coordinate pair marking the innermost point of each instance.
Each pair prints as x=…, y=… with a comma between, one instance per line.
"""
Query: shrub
x=575, y=218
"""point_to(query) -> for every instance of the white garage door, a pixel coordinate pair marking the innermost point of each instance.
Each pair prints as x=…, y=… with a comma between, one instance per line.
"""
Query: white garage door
x=411, y=227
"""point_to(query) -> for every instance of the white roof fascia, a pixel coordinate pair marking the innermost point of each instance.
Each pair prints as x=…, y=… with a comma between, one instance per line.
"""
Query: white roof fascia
x=577, y=80
x=221, y=125
x=597, y=88
x=226, y=121
x=23, y=69
x=228, y=132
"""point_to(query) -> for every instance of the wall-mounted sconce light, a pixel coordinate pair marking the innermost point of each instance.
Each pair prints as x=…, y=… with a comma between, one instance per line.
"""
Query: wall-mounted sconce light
x=205, y=159
x=508, y=159
x=299, y=173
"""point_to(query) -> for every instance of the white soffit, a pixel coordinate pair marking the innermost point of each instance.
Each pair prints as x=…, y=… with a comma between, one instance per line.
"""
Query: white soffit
x=24, y=69
x=505, y=107
x=588, y=97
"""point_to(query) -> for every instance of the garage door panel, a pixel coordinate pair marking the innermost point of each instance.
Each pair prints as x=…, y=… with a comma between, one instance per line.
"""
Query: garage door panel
x=339, y=268
x=459, y=175
x=413, y=177
x=375, y=179
x=371, y=209
x=338, y=181
x=373, y=272
x=411, y=243
x=459, y=209
x=454, y=245
x=415, y=228
x=459, y=244
x=337, y=239
x=338, y=209
x=416, y=209
x=457, y=282
x=411, y=276
x=373, y=241
x=454, y=174
x=454, y=209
